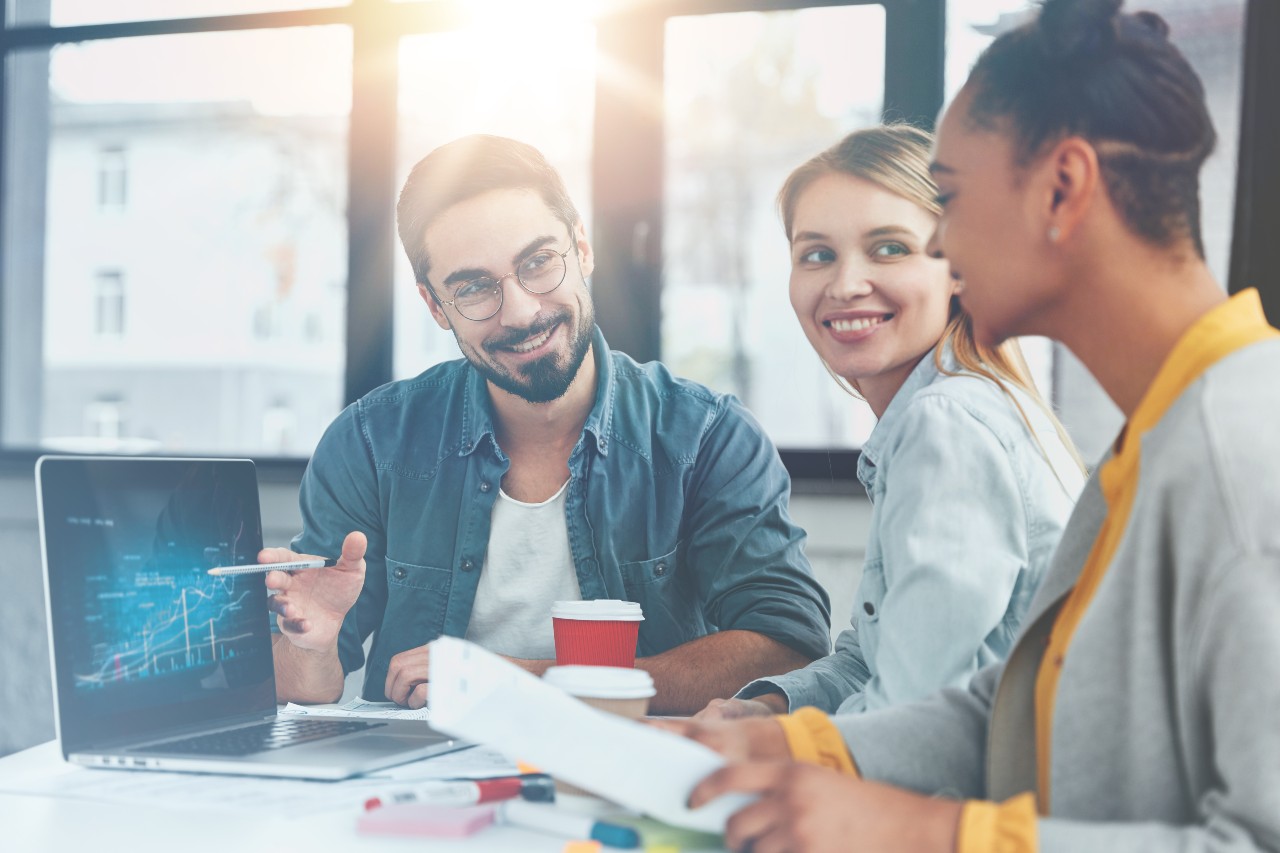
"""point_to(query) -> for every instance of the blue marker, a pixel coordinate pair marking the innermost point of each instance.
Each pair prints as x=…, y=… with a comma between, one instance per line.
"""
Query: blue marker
x=545, y=817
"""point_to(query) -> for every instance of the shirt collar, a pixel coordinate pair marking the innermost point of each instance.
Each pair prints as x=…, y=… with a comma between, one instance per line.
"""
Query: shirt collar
x=924, y=374
x=477, y=413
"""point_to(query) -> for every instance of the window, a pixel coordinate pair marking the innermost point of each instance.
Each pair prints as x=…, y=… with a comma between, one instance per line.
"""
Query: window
x=113, y=178
x=483, y=80
x=749, y=97
x=108, y=303
x=104, y=419
x=243, y=169
x=233, y=166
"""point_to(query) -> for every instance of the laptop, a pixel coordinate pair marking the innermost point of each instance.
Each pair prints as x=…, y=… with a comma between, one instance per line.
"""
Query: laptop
x=157, y=665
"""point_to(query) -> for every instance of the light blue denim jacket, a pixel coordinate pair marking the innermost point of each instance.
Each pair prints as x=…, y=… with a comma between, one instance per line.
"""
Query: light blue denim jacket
x=966, y=512
x=676, y=500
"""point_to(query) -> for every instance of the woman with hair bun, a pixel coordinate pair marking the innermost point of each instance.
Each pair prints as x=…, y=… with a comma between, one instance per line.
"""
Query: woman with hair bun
x=1138, y=708
x=970, y=475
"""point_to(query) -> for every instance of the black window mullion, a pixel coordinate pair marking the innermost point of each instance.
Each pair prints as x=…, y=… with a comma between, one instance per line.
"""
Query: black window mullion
x=1255, y=253
x=915, y=38
x=627, y=178
x=371, y=193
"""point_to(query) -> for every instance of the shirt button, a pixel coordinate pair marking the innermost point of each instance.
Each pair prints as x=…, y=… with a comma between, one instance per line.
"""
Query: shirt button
x=467, y=565
x=399, y=574
x=484, y=487
x=660, y=569
x=869, y=607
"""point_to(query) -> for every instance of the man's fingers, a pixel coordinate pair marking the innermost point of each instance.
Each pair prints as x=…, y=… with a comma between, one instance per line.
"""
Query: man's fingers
x=278, y=580
x=277, y=555
x=418, y=696
x=354, y=546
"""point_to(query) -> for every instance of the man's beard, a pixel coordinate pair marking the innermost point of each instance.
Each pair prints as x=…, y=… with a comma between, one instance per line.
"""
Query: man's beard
x=546, y=379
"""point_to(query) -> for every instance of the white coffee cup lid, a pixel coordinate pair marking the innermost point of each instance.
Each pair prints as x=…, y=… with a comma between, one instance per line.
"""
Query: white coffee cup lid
x=601, y=682
x=599, y=610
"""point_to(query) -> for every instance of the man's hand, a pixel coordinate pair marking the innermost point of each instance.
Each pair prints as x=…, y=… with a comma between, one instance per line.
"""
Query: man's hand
x=803, y=807
x=735, y=709
x=407, y=677
x=311, y=605
x=749, y=739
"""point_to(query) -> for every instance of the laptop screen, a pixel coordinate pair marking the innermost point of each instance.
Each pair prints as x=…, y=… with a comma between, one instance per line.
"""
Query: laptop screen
x=143, y=639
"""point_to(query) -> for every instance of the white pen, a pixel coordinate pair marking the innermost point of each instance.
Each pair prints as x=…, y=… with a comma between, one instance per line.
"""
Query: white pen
x=546, y=817
x=295, y=566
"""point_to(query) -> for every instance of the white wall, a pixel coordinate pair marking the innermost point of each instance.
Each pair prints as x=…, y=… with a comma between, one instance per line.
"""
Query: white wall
x=837, y=528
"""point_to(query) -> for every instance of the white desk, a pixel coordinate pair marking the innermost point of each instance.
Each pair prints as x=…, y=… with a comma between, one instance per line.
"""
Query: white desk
x=46, y=824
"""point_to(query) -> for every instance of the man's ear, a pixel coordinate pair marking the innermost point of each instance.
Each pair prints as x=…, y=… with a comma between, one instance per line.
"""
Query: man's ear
x=586, y=256
x=1074, y=178
x=437, y=310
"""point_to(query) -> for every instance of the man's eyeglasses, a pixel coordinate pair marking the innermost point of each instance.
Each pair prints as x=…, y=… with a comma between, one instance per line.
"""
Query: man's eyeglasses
x=481, y=298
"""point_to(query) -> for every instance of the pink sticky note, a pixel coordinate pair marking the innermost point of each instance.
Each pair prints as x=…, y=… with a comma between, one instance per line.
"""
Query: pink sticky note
x=425, y=819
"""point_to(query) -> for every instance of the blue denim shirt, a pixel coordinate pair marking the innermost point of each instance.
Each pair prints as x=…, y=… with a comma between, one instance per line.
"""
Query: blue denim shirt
x=966, y=513
x=676, y=500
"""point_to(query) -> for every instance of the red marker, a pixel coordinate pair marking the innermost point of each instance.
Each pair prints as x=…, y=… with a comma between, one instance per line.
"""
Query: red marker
x=537, y=787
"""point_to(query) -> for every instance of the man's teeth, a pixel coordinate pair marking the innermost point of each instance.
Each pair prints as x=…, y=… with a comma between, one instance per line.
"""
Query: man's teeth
x=533, y=343
x=856, y=325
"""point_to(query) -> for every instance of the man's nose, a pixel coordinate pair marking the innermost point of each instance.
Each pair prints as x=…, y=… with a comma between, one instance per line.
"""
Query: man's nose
x=519, y=306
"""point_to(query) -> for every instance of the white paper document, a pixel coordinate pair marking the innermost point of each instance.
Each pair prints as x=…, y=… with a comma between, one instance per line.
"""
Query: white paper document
x=357, y=708
x=478, y=696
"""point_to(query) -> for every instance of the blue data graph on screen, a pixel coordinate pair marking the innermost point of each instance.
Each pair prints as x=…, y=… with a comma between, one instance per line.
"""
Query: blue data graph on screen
x=147, y=622
x=148, y=610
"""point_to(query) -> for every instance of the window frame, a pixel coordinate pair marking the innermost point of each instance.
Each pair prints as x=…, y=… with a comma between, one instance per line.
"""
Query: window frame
x=627, y=171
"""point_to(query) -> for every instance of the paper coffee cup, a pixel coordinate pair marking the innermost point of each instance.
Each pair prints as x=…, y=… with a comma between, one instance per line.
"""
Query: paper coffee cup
x=602, y=632
x=625, y=692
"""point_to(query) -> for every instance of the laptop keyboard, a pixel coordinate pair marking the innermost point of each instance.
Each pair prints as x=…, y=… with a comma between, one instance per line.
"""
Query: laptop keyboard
x=268, y=735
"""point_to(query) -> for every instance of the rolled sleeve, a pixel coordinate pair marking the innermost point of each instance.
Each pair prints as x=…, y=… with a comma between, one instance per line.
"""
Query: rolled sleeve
x=826, y=684
x=747, y=554
x=338, y=495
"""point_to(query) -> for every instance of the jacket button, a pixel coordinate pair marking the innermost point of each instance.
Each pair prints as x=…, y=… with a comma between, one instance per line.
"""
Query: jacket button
x=467, y=565
x=484, y=487
x=869, y=607
x=399, y=574
x=660, y=569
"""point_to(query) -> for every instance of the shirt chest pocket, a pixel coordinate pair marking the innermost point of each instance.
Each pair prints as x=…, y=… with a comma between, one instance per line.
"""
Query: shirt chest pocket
x=668, y=599
x=417, y=598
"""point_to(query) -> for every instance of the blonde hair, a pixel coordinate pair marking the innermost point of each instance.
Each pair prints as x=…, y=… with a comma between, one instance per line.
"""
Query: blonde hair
x=896, y=158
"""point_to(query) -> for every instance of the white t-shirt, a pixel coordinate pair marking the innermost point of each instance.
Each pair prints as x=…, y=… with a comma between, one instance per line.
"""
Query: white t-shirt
x=528, y=567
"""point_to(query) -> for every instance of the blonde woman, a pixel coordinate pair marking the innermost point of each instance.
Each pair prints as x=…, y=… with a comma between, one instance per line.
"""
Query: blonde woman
x=971, y=478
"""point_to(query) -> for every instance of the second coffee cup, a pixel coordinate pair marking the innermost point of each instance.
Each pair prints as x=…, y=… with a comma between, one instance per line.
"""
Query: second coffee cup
x=602, y=632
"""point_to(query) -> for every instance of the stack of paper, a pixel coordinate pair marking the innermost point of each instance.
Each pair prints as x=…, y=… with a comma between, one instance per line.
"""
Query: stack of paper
x=478, y=696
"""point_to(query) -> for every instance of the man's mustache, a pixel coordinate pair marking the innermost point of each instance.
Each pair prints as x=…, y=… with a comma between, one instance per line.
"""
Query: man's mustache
x=515, y=336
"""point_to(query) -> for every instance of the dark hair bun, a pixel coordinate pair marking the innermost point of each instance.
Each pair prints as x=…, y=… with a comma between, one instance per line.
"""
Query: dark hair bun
x=1078, y=28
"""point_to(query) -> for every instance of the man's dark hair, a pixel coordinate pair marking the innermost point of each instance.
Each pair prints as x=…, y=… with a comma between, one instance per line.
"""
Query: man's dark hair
x=1084, y=68
x=464, y=169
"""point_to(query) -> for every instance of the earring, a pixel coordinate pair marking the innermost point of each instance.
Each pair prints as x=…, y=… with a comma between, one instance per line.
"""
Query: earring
x=1054, y=233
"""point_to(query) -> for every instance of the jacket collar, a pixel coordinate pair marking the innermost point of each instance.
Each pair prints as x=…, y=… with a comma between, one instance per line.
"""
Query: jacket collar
x=924, y=374
x=477, y=411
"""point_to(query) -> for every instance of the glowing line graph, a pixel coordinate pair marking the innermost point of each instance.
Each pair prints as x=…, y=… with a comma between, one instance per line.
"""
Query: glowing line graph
x=188, y=621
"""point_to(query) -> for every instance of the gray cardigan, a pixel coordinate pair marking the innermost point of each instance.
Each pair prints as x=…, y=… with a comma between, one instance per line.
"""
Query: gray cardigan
x=1166, y=732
